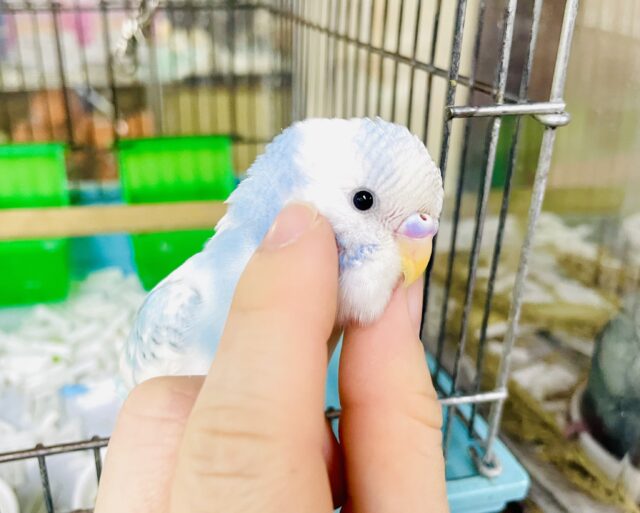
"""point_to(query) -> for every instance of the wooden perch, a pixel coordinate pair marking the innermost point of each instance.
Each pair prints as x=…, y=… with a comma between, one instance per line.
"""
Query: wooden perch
x=36, y=223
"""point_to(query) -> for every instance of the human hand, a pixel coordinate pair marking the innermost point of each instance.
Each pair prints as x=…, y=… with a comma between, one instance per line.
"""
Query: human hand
x=251, y=436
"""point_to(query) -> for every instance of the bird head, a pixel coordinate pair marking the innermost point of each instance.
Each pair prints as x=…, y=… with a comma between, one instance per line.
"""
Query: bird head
x=382, y=193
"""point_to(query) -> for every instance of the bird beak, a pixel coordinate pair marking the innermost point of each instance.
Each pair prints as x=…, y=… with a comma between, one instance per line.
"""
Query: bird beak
x=414, y=239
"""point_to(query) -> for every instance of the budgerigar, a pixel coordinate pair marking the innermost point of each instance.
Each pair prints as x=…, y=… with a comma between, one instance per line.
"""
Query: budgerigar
x=611, y=402
x=373, y=181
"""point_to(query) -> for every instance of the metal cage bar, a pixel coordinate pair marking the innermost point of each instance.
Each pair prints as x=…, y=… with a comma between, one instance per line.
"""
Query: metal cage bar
x=505, y=104
x=458, y=199
x=502, y=71
x=487, y=462
x=504, y=207
x=444, y=145
x=435, y=31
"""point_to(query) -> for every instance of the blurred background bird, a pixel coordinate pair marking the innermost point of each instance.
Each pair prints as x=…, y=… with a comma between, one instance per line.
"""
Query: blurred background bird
x=611, y=403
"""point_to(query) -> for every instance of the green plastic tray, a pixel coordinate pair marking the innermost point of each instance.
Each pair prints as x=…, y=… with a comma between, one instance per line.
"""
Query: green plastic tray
x=157, y=254
x=159, y=170
x=33, y=175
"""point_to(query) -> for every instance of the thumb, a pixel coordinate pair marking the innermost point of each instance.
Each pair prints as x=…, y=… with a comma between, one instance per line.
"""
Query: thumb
x=391, y=418
x=256, y=435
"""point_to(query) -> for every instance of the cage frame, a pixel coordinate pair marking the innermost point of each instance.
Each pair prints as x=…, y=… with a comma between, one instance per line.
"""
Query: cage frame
x=292, y=16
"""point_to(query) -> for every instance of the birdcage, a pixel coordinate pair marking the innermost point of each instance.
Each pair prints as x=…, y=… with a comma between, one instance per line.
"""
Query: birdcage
x=96, y=74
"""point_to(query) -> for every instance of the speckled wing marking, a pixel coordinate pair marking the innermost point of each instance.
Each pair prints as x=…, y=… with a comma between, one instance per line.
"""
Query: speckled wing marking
x=162, y=327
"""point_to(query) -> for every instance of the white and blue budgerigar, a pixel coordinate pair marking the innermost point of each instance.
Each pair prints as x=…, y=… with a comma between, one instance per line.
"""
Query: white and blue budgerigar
x=372, y=180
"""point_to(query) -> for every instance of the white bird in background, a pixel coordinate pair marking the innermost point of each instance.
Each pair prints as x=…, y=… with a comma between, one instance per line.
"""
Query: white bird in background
x=372, y=180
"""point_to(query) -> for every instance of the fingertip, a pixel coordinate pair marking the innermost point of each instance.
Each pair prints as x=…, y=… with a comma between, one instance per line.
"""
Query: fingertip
x=293, y=275
x=291, y=223
x=273, y=349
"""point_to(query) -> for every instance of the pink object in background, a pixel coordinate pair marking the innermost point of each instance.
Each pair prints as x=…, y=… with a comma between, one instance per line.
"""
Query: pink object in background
x=81, y=22
x=7, y=35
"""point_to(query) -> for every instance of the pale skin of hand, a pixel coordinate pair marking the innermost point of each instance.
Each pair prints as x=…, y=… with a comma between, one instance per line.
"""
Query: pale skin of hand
x=251, y=435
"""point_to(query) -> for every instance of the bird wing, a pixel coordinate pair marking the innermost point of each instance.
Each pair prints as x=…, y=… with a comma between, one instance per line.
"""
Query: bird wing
x=178, y=327
x=161, y=340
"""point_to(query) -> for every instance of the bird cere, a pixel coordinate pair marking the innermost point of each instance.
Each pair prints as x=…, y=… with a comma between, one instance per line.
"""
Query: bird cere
x=375, y=183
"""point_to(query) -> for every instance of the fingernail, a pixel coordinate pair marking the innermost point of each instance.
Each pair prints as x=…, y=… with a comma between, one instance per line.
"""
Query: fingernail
x=291, y=223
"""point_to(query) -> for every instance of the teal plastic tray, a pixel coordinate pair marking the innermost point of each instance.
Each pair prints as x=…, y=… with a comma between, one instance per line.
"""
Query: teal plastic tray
x=33, y=175
x=170, y=169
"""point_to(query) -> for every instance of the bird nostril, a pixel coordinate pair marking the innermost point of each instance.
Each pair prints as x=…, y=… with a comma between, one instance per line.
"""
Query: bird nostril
x=418, y=226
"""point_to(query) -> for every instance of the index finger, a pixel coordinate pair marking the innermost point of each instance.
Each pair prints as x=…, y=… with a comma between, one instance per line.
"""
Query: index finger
x=256, y=435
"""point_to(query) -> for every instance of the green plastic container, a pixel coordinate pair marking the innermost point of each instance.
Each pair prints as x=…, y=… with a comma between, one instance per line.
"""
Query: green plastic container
x=33, y=175
x=170, y=169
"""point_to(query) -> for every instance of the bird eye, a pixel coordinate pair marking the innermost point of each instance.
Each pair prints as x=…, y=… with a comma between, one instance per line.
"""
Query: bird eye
x=363, y=200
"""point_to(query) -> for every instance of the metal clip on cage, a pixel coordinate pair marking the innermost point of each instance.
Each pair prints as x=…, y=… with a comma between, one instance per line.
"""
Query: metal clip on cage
x=134, y=31
x=400, y=59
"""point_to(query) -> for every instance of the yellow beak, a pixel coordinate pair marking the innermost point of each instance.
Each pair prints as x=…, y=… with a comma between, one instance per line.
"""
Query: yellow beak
x=414, y=256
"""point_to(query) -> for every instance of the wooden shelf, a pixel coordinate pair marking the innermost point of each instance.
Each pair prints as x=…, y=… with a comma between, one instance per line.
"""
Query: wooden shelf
x=36, y=223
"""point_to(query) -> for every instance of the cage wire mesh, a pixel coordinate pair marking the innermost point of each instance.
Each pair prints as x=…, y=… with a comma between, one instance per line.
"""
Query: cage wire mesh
x=134, y=69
